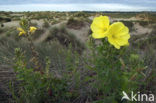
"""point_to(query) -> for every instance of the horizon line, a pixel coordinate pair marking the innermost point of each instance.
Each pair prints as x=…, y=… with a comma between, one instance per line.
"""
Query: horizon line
x=81, y=11
x=75, y=7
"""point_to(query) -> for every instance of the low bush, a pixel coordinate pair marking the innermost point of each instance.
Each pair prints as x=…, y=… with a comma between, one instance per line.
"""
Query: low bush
x=66, y=38
x=46, y=24
x=75, y=23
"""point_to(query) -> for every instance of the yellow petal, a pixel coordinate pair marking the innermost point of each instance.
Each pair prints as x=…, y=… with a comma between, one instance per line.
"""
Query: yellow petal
x=96, y=29
x=124, y=32
x=125, y=37
x=117, y=46
x=116, y=27
x=121, y=42
x=114, y=43
x=98, y=35
x=32, y=29
x=20, y=33
x=100, y=26
x=101, y=22
x=20, y=29
x=118, y=35
x=111, y=41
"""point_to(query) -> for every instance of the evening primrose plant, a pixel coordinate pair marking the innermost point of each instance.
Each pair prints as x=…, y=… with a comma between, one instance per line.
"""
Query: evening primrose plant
x=26, y=30
x=113, y=65
x=36, y=83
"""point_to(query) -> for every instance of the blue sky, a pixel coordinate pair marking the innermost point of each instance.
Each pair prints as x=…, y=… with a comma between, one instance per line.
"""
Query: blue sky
x=77, y=5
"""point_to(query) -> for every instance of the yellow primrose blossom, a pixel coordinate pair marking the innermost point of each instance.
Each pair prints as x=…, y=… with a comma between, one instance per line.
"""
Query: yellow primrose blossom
x=21, y=31
x=100, y=26
x=32, y=29
x=118, y=35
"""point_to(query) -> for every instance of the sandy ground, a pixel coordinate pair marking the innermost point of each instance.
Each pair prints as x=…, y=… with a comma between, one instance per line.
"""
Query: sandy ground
x=16, y=23
x=125, y=19
x=139, y=30
x=46, y=34
x=11, y=24
x=82, y=34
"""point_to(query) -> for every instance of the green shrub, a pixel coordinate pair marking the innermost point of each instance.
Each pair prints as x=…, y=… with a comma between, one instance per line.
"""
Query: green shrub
x=82, y=74
x=116, y=71
x=81, y=14
x=5, y=19
x=39, y=32
x=46, y=24
x=37, y=86
x=1, y=30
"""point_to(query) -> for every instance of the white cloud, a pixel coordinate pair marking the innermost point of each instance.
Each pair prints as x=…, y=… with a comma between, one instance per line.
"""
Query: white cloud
x=74, y=7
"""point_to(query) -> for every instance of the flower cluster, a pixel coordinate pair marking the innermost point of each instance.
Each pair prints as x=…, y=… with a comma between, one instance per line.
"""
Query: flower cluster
x=117, y=33
x=23, y=32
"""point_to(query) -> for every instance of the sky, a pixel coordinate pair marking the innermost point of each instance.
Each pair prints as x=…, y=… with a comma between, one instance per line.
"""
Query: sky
x=77, y=5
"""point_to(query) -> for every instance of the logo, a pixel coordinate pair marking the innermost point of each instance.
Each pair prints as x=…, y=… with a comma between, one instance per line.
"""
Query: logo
x=138, y=97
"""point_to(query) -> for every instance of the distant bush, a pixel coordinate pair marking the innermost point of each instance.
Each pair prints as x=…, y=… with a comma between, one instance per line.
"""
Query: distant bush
x=33, y=24
x=75, y=23
x=81, y=14
x=54, y=21
x=46, y=24
x=2, y=25
x=38, y=33
x=65, y=38
x=1, y=30
x=144, y=23
x=2, y=19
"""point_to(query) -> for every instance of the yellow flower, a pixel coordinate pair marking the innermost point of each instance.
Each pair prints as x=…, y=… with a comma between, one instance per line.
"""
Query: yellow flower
x=32, y=29
x=118, y=35
x=21, y=31
x=100, y=26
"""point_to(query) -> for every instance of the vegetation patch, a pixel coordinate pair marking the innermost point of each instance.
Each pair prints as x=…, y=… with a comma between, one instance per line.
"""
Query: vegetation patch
x=75, y=24
x=65, y=38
